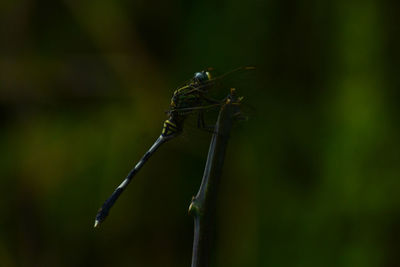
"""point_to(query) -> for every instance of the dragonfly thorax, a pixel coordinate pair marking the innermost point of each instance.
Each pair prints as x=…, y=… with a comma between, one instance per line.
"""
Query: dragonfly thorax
x=189, y=95
x=185, y=97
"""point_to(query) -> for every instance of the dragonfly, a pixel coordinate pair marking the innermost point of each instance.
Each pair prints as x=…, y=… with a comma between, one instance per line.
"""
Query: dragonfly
x=192, y=97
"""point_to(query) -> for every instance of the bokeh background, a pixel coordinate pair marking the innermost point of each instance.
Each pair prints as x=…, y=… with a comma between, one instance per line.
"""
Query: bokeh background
x=311, y=179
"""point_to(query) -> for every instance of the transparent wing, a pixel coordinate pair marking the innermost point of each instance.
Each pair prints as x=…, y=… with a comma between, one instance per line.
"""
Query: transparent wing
x=217, y=79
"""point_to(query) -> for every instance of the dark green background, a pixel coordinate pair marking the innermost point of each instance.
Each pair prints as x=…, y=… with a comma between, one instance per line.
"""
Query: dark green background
x=312, y=179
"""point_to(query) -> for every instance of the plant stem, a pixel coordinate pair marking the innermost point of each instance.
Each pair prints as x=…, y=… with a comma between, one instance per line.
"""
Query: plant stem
x=203, y=205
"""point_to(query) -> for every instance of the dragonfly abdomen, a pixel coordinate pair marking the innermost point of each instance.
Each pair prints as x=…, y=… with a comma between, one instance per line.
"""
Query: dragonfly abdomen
x=104, y=210
x=170, y=128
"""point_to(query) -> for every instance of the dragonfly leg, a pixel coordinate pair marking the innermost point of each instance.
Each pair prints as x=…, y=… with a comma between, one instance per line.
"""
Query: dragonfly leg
x=202, y=125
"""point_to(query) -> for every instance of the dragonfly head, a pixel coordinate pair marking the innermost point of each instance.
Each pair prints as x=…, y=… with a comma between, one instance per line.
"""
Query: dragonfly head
x=202, y=76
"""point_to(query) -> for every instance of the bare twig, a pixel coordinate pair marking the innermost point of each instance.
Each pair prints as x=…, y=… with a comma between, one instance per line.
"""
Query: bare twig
x=203, y=205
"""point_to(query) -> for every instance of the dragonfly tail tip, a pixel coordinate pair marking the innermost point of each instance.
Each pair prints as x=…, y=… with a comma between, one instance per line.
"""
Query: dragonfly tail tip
x=96, y=223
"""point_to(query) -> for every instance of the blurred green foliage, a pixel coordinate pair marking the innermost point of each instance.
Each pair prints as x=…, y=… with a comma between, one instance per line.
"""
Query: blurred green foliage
x=312, y=179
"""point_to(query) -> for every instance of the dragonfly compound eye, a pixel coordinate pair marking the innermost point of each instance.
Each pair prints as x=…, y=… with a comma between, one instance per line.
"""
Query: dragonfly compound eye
x=201, y=76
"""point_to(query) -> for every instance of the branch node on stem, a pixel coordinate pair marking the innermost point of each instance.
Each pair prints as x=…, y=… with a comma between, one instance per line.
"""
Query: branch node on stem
x=195, y=208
